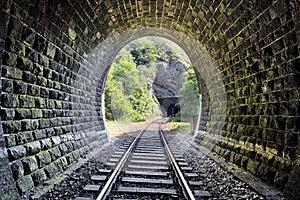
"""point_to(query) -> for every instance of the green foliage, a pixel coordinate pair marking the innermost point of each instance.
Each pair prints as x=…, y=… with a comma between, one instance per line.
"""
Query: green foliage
x=141, y=103
x=176, y=118
x=146, y=73
x=116, y=103
x=150, y=49
x=191, y=80
x=189, y=102
x=127, y=94
x=124, y=72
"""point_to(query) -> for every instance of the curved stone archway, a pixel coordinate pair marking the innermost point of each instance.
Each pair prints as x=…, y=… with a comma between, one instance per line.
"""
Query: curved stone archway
x=55, y=55
x=210, y=79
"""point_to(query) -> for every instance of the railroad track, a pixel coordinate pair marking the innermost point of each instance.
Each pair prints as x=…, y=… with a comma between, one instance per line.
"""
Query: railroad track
x=145, y=168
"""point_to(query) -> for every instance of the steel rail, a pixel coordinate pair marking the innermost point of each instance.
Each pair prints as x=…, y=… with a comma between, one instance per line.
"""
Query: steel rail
x=112, y=179
x=183, y=183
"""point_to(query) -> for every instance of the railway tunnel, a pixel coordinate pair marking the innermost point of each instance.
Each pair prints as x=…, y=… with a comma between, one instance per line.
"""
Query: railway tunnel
x=55, y=56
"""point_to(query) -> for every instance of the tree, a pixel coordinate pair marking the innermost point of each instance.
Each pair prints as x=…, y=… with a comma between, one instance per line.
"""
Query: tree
x=189, y=102
x=141, y=103
x=117, y=106
x=125, y=72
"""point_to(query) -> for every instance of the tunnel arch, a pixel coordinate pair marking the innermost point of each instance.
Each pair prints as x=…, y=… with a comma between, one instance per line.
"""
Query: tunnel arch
x=209, y=78
x=51, y=77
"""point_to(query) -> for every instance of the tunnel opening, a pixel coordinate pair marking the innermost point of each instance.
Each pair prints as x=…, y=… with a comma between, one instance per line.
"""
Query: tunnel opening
x=173, y=110
x=145, y=81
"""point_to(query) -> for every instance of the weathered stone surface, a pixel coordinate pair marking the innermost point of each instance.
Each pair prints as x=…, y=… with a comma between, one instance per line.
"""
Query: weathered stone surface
x=24, y=137
x=56, y=140
x=291, y=189
x=247, y=68
x=46, y=144
x=55, y=153
x=169, y=78
x=33, y=147
x=30, y=164
x=51, y=170
x=16, y=152
x=17, y=169
x=25, y=183
x=22, y=114
x=43, y=158
x=39, y=177
x=8, y=188
x=11, y=140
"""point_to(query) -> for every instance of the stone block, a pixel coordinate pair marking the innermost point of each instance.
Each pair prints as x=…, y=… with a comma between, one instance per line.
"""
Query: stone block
x=56, y=140
x=46, y=143
x=50, y=132
x=252, y=166
x=28, y=36
x=40, y=102
x=28, y=77
x=44, y=92
x=53, y=94
x=17, y=169
x=7, y=114
x=70, y=158
x=50, y=104
x=41, y=81
x=76, y=154
x=9, y=101
x=24, y=137
x=69, y=145
x=19, y=87
x=51, y=49
x=39, y=177
x=33, y=147
x=7, y=85
x=29, y=125
x=26, y=101
x=39, y=44
x=10, y=140
x=44, y=123
x=51, y=170
x=64, y=162
x=10, y=59
x=43, y=158
x=31, y=54
x=16, y=152
x=63, y=149
x=55, y=153
x=25, y=183
x=22, y=114
x=36, y=114
x=33, y=90
x=39, y=134
x=30, y=164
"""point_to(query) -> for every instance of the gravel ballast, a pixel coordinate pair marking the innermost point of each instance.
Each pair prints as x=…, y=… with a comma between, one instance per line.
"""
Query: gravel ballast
x=217, y=183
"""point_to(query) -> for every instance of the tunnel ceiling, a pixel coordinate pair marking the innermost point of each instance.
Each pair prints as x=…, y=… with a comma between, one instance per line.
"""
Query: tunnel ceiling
x=55, y=56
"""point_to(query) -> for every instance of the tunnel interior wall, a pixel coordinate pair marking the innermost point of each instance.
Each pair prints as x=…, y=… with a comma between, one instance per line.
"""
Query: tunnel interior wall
x=49, y=112
x=246, y=54
x=260, y=64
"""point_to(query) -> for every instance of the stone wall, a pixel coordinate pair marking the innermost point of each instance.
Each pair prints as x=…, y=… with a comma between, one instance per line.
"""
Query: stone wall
x=55, y=55
x=49, y=113
x=260, y=63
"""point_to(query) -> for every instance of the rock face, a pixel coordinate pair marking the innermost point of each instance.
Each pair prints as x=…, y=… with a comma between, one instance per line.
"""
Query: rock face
x=169, y=78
